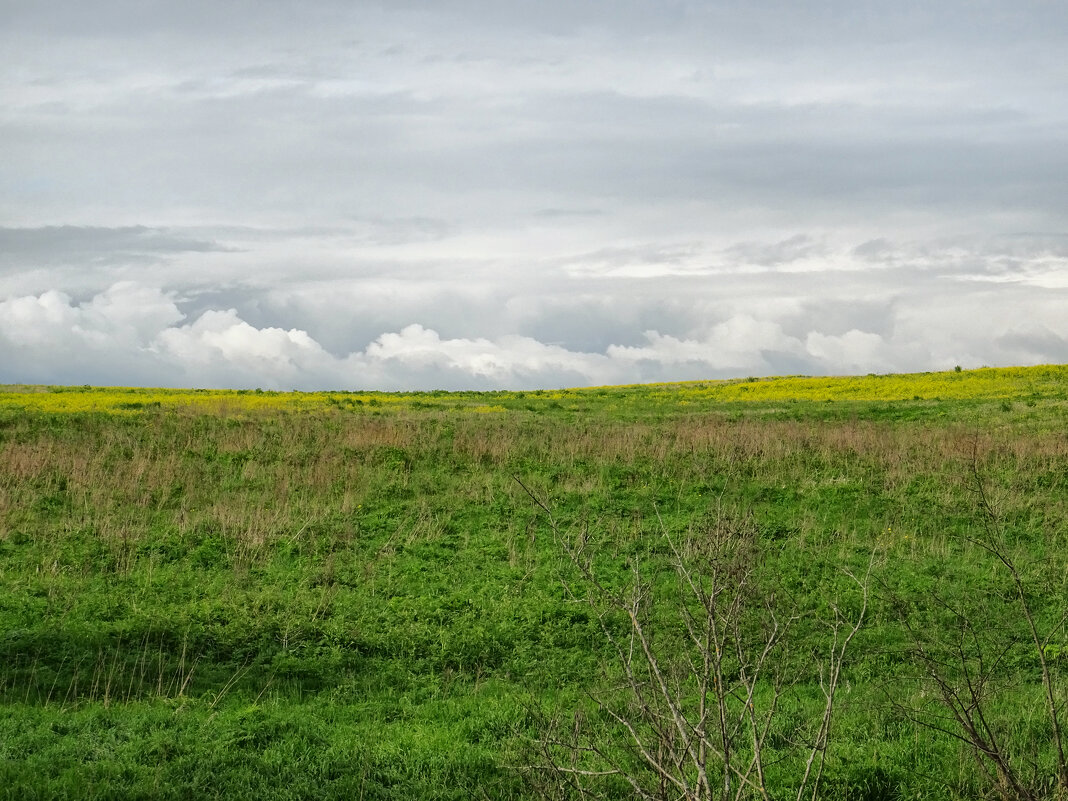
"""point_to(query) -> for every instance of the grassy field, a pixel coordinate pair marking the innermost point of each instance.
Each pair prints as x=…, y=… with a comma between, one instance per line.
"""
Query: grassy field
x=245, y=594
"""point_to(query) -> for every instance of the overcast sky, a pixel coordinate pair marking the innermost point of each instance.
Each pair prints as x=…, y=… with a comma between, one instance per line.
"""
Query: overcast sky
x=409, y=195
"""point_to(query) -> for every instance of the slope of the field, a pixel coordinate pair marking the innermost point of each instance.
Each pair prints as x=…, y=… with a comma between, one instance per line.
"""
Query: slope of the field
x=1028, y=385
x=244, y=594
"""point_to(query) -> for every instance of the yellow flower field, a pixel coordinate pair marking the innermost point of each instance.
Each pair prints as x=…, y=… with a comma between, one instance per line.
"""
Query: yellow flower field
x=1003, y=383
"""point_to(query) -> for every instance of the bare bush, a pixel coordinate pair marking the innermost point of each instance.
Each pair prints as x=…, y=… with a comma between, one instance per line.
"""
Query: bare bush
x=988, y=663
x=704, y=658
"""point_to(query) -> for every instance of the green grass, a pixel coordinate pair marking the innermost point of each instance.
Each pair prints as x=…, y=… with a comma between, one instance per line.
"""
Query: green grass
x=346, y=595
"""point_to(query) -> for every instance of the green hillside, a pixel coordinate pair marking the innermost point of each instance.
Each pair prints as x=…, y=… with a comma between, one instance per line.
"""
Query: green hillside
x=245, y=594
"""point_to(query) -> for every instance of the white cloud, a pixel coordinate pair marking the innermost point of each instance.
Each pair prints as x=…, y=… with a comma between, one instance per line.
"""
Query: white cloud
x=223, y=336
x=853, y=352
x=128, y=312
x=34, y=320
x=132, y=333
x=738, y=344
x=137, y=328
x=504, y=360
x=125, y=314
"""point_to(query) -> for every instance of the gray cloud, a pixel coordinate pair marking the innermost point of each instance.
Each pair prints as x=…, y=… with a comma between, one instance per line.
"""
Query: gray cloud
x=86, y=246
x=560, y=192
x=1036, y=343
x=787, y=250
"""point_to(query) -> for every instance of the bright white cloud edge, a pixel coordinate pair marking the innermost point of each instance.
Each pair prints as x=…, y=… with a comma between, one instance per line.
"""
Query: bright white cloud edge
x=134, y=334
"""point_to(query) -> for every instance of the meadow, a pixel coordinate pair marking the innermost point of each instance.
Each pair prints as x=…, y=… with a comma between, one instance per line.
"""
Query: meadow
x=246, y=594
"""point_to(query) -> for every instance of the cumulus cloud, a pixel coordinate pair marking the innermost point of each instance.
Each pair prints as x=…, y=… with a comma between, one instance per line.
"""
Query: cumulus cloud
x=125, y=314
x=854, y=351
x=36, y=320
x=501, y=362
x=137, y=334
x=733, y=345
x=221, y=342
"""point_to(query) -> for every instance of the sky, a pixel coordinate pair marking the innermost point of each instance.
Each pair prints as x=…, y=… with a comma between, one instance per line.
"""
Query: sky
x=518, y=194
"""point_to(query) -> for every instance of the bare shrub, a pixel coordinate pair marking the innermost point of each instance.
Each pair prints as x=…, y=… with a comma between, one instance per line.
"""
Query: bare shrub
x=989, y=662
x=704, y=665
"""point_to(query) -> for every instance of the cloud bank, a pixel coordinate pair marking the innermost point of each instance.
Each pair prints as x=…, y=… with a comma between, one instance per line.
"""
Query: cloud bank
x=472, y=194
x=136, y=334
